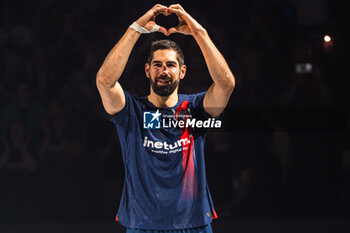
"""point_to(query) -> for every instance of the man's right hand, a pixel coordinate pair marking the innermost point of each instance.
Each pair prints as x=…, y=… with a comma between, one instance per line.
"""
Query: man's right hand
x=148, y=19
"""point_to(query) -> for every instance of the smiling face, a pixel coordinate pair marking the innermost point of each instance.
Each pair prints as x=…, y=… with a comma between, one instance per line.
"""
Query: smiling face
x=164, y=72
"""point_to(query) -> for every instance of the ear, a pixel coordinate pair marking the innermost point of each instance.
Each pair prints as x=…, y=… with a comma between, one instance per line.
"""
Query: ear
x=183, y=71
x=147, y=70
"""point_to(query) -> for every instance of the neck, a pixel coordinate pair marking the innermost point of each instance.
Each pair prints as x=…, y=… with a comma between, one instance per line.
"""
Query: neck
x=163, y=101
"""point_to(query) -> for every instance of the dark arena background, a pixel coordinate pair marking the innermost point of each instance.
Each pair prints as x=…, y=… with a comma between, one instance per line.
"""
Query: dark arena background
x=280, y=163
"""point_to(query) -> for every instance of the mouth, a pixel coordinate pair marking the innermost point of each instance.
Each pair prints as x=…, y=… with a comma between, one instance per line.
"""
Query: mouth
x=163, y=82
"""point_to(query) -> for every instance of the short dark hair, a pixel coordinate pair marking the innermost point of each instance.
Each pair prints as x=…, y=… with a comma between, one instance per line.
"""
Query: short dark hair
x=166, y=44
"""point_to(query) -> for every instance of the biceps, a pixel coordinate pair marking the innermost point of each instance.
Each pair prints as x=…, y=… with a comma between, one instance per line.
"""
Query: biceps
x=113, y=98
x=215, y=100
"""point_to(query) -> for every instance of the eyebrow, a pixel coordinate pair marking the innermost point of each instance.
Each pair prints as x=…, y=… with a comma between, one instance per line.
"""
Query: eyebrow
x=168, y=62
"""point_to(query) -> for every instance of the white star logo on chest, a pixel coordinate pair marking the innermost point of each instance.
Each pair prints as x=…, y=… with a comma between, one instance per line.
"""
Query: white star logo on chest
x=156, y=115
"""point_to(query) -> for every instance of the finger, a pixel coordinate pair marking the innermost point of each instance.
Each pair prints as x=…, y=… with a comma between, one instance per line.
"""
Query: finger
x=163, y=30
x=157, y=9
x=159, y=5
x=167, y=13
x=176, y=6
x=178, y=12
x=174, y=10
x=157, y=28
x=173, y=30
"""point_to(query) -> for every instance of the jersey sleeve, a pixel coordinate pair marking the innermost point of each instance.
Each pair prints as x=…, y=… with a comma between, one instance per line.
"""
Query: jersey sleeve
x=124, y=119
x=121, y=118
x=198, y=108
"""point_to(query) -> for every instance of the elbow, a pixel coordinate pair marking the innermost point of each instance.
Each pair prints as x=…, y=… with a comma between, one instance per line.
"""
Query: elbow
x=230, y=83
x=106, y=79
x=101, y=80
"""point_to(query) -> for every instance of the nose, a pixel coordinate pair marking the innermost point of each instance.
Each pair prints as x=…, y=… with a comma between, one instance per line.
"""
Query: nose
x=164, y=70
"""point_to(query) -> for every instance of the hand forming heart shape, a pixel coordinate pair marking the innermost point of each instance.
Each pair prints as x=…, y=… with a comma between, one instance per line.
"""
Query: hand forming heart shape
x=186, y=24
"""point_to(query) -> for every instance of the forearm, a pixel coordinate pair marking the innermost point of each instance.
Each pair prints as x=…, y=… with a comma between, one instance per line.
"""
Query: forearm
x=216, y=63
x=114, y=64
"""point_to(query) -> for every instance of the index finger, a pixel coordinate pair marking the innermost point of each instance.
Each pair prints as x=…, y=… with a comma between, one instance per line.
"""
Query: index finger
x=158, y=8
x=179, y=12
x=176, y=6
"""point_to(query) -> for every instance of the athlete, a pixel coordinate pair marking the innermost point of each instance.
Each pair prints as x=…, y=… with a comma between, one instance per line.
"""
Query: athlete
x=165, y=186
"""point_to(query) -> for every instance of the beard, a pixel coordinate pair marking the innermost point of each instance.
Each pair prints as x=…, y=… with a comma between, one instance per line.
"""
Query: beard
x=164, y=90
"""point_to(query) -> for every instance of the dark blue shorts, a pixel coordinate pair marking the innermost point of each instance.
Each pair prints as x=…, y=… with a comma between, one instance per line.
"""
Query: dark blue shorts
x=204, y=229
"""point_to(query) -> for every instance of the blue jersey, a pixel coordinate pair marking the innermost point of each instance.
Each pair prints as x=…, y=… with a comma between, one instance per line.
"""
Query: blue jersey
x=165, y=184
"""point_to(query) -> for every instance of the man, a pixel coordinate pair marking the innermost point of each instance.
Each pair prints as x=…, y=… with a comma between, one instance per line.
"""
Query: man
x=165, y=186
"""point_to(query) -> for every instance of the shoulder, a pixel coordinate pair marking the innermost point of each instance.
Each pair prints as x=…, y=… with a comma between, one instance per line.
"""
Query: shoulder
x=194, y=99
x=132, y=98
x=193, y=96
x=133, y=104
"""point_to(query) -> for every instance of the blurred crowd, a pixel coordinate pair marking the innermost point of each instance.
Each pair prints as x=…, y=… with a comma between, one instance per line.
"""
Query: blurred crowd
x=60, y=157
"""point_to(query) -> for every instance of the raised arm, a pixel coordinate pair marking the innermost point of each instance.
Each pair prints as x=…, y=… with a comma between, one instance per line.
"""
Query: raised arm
x=111, y=92
x=220, y=91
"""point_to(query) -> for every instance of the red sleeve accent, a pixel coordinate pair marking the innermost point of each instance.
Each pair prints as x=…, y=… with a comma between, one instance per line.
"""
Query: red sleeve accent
x=116, y=218
x=215, y=216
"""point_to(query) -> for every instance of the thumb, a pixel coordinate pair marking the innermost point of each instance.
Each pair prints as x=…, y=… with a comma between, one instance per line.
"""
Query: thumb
x=173, y=30
x=157, y=28
x=162, y=30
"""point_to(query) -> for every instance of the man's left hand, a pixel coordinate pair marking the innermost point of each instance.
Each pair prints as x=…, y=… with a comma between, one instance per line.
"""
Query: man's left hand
x=187, y=24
